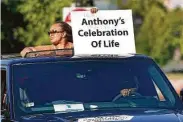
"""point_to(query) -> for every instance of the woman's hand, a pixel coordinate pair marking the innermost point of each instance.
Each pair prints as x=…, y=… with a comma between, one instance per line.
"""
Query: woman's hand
x=26, y=50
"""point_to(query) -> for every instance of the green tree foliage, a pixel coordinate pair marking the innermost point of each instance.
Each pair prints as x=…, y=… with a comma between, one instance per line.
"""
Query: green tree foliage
x=84, y=3
x=39, y=15
x=10, y=19
x=176, y=22
x=161, y=30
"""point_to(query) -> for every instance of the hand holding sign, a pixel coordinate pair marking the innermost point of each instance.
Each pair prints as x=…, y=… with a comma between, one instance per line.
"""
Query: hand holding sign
x=67, y=12
x=99, y=34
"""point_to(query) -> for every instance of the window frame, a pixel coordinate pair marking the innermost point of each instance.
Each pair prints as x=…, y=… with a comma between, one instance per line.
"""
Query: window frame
x=5, y=107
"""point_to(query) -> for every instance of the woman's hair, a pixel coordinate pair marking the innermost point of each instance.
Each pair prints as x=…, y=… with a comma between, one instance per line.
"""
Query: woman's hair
x=67, y=28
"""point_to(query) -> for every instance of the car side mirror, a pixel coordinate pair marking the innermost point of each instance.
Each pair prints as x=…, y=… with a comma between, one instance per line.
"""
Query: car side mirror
x=181, y=94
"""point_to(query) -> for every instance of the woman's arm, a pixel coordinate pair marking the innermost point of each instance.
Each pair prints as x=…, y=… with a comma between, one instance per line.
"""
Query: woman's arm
x=36, y=48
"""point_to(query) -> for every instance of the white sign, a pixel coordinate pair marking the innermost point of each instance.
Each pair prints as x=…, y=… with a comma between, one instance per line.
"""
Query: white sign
x=107, y=118
x=68, y=107
x=105, y=32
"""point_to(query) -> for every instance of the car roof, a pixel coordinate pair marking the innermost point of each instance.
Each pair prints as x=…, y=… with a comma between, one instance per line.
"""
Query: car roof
x=9, y=59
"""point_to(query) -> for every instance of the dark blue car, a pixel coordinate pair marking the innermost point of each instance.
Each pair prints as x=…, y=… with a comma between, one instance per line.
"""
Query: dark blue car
x=90, y=88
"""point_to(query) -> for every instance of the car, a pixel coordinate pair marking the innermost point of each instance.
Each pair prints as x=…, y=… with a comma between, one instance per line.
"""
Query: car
x=86, y=88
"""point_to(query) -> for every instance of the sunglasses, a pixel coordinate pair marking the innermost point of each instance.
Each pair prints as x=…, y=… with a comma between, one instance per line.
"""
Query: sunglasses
x=53, y=32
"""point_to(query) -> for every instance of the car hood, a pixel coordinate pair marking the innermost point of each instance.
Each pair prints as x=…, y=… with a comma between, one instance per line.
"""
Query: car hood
x=141, y=115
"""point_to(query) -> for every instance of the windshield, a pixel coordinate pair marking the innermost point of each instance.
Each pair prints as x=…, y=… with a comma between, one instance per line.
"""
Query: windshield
x=79, y=85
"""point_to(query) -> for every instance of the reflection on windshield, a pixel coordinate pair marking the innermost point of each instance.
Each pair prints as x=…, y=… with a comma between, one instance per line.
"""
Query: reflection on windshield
x=118, y=83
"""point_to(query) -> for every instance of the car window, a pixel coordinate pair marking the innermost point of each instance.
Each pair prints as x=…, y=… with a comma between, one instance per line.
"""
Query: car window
x=39, y=87
x=160, y=95
x=159, y=81
x=3, y=89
